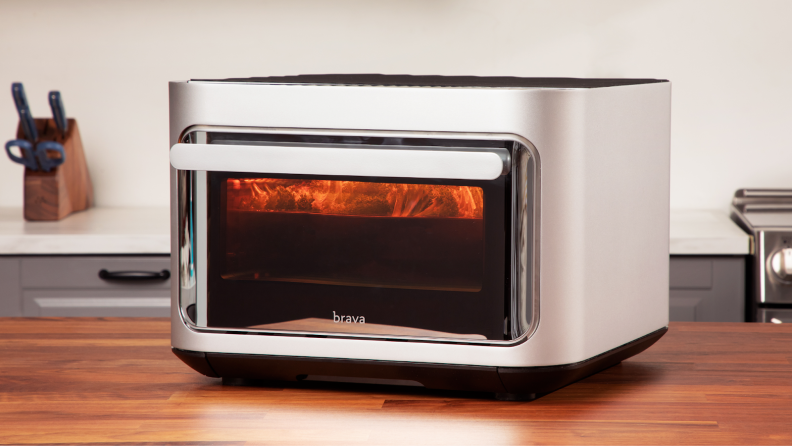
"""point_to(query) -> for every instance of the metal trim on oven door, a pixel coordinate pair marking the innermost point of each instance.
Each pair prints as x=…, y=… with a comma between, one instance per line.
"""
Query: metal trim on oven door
x=524, y=266
x=400, y=162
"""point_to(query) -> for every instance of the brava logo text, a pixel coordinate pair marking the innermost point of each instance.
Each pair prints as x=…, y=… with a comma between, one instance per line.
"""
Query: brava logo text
x=340, y=319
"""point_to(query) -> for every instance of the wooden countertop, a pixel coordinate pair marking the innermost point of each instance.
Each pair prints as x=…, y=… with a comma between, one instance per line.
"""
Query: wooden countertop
x=86, y=380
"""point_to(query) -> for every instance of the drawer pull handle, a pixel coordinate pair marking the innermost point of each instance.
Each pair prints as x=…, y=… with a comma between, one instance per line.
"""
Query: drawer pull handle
x=134, y=275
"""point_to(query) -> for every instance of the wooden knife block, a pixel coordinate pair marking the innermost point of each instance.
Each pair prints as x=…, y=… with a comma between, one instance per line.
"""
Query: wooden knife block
x=65, y=189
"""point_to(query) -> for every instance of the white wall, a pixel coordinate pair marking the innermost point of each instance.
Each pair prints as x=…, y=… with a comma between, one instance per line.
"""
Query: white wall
x=729, y=62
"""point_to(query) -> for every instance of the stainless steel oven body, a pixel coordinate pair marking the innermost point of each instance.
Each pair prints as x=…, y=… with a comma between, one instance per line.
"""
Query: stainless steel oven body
x=569, y=256
x=767, y=215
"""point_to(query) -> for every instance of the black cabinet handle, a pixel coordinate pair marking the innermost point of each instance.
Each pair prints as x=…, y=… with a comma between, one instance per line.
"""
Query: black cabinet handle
x=127, y=276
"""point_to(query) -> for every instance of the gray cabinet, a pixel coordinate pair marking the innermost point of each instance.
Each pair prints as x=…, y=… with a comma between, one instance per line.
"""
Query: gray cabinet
x=707, y=288
x=71, y=286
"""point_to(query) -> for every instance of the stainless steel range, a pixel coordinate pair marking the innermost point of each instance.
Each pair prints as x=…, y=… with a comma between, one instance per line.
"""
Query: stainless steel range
x=767, y=214
x=507, y=235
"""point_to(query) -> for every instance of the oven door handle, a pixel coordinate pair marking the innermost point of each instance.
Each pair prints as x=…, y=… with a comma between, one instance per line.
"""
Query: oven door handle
x=424, y=162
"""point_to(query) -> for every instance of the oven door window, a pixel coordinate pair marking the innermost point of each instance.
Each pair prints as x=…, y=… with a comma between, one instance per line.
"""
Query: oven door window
x=358, y=255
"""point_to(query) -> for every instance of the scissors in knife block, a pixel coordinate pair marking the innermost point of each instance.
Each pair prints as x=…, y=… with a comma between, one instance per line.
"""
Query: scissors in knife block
x=38, y=157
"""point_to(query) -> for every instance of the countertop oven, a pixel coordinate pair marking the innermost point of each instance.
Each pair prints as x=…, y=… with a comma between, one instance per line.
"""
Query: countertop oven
x=457, y=233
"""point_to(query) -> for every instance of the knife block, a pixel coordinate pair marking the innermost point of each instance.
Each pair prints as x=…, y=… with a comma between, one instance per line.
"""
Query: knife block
x=65, y=189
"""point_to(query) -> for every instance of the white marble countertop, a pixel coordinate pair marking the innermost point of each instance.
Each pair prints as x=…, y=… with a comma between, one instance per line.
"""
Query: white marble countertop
x=695, y=232
x=147, y=231
x=94, y=231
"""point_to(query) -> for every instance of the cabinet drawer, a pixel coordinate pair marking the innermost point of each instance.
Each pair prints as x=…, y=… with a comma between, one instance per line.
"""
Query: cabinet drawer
x=96, y=303
x=707, y=289
x=690, y=273
x=83, y=272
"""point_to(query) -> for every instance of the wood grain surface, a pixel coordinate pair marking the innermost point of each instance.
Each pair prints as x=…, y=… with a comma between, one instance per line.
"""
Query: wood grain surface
x=115, y=381
x=65, y=189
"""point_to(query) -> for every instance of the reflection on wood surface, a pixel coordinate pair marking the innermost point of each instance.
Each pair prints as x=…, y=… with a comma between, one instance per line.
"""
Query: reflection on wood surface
x=328, y=326
x=702, y=383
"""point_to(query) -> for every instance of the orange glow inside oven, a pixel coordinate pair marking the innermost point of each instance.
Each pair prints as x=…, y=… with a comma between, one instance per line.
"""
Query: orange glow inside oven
x=354, y=198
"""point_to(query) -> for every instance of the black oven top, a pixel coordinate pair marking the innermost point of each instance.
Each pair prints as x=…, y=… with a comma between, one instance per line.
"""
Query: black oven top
x=401, y=80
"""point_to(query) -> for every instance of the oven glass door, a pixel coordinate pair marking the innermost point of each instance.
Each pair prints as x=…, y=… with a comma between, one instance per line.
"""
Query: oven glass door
x=359, y=255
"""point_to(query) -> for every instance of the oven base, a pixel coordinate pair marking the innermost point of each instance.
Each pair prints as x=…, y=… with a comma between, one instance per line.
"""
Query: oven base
x=507, y=383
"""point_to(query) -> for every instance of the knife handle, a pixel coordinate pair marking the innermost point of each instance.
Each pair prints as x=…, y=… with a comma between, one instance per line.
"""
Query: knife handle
x=25, y=118
x=20, y=100
x=58, y=112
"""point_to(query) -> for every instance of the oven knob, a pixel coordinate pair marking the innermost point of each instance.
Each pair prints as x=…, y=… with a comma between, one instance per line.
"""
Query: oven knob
x=781, y=264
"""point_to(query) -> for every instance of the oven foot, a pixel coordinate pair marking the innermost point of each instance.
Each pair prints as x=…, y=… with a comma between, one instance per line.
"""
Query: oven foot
x=517, y=396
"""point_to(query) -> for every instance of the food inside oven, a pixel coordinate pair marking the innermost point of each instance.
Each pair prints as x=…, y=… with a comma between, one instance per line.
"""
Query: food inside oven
x=353, y=233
